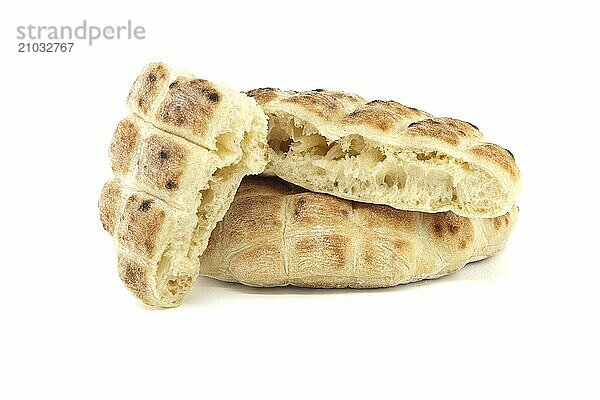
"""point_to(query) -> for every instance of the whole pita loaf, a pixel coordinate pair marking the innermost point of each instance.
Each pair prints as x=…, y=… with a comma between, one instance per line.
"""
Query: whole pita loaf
x=385, y=153
x=277, y=234
x=178, y=157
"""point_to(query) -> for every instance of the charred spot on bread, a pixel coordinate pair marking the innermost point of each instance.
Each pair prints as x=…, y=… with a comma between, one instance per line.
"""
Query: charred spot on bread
x=145, y=205
x=163, y=161
x=188, y=104
x=214, y=97
x=170, y=185
x=140, y=224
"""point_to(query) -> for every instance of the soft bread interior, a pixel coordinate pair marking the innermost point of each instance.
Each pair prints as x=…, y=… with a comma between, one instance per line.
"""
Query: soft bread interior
x=356, y=168
x=178, y=267
x=223, y=185
x=175, y=274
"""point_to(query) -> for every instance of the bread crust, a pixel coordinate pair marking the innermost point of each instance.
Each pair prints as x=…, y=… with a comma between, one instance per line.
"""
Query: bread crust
x=178, y=158
x=278, y=234
x=392, y=129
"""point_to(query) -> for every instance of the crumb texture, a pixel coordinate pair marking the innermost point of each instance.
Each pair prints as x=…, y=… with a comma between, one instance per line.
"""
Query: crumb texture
x=383, y=152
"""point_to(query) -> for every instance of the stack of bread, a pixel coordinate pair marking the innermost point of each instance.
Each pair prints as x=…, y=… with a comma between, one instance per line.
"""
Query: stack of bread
x=353, y=193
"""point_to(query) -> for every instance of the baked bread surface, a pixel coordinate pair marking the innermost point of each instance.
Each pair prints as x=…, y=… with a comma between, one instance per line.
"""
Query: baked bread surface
x=278, y=234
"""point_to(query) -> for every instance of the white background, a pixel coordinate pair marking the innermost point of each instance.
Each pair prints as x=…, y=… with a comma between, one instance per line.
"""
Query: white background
x=521, y=324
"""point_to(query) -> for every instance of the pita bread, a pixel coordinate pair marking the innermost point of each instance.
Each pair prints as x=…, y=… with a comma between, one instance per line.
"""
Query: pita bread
x=385, y=153
x=178, y=157
x=277, y=234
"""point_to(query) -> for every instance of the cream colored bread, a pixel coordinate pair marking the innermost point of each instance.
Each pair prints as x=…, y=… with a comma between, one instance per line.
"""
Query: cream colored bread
x=385, y=153
x=276, y=234
x=178, y=157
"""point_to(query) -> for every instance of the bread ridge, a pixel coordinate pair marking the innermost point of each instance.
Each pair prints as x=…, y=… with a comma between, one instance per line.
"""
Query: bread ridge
x=394, y=128
x=278, y=234
x=178, y=158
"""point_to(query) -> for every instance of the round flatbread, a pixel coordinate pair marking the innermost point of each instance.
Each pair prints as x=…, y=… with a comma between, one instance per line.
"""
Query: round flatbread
x=278, y=234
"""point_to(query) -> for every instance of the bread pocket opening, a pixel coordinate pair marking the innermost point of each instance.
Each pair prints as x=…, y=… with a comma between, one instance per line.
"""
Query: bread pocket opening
x=355, y=167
